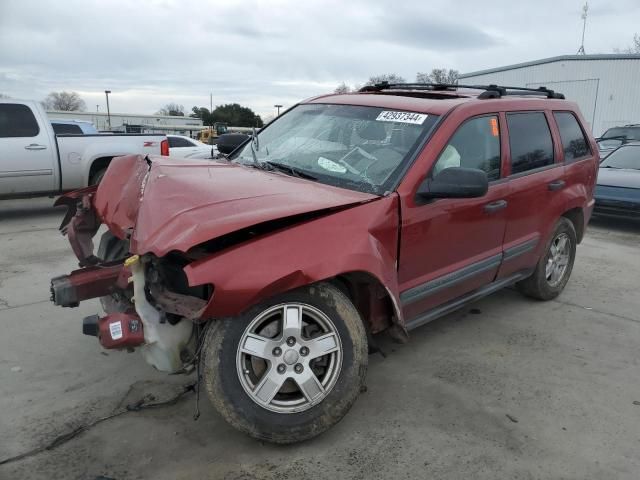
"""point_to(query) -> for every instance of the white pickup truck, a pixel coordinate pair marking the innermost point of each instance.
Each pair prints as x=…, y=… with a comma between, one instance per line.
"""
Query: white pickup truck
x=34, y=161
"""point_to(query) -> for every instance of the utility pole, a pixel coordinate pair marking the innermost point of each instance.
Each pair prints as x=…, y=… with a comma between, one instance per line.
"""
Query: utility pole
x=278, y=107
x=585, y=11
x=210, y=112
x=107, y=92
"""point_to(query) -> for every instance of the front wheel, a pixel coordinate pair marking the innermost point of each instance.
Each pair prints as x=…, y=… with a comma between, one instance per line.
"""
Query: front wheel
x=554, y=268
x=290, y=368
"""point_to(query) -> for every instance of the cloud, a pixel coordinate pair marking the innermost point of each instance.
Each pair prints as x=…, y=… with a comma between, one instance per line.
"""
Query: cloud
x=257, y=53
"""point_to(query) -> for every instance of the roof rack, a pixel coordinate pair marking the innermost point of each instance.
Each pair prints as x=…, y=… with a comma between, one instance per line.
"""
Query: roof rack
x=490, y=91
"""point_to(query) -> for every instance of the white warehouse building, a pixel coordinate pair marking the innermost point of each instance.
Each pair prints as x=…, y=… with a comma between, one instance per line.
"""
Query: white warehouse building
x=606, y=87
x=134, y=123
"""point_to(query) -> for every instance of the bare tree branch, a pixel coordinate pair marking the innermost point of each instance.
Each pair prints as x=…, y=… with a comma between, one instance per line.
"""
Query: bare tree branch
x=172, y=110
x=64, y=101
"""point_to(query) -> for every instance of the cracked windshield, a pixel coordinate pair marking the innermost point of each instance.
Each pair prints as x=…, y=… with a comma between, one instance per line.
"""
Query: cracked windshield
x=349, y=146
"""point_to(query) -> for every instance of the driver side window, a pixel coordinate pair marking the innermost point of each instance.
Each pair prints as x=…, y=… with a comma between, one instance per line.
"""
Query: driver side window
x=476, y=144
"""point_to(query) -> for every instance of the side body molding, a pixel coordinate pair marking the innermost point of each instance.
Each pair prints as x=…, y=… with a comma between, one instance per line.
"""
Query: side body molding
x=363, y=238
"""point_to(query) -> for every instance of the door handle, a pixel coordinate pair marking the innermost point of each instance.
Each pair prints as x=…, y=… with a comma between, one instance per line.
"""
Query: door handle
x=556, y=185
x=35, y=146
x=496, y=206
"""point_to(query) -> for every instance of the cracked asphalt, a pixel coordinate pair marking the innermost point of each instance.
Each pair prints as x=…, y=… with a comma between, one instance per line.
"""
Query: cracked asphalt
x=508, y=388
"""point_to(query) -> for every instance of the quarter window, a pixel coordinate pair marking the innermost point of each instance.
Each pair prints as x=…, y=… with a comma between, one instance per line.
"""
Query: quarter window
x=574, y=144
x=66, y=129
x=17, y=120
x=476, y=144
x=530, y=141
x=179, y=142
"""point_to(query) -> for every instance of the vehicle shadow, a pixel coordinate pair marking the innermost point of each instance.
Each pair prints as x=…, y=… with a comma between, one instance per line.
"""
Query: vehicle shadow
x=621, y=224
x=31, y=207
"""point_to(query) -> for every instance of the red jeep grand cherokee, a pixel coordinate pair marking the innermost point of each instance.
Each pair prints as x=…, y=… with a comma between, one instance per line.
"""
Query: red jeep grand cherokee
x=347, y=216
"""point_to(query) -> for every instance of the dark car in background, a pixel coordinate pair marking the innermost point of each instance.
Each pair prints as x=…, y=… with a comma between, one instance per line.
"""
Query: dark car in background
x=618, y=188
x=617, y=136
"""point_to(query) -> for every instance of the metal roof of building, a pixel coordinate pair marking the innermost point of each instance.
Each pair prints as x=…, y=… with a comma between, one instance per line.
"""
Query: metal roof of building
x=561, y=58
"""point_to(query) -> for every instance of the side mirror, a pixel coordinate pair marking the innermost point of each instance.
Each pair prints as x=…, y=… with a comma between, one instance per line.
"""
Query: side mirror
x=228, y=142
x=455, y=182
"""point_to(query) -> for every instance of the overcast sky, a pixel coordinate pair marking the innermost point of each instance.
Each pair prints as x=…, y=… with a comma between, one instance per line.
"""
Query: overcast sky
x=259, y=53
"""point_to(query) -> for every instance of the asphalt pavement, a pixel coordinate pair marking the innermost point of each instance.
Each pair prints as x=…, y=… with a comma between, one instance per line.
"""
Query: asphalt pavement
x=507, y=388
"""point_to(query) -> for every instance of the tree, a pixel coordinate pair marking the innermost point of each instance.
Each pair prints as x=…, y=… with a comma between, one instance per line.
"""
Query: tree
x=232, y=113
x=342, y=88
x=635, y=47
x=65, y=102
x=172, y=110
x=438, y=75
x=236, y=116
x=385, y=77
x=203, y=114
x=2, y=95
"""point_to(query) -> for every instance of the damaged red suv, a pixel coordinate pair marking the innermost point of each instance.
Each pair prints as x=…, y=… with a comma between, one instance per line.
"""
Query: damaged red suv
x=348, y=216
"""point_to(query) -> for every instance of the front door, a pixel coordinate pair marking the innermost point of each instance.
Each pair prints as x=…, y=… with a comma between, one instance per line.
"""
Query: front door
x=450, y=247
x=28, y=156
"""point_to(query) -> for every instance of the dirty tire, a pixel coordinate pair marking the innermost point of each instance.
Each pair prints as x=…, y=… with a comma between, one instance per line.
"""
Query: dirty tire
x=536, y=286
x=97, y=177
x=228, y=396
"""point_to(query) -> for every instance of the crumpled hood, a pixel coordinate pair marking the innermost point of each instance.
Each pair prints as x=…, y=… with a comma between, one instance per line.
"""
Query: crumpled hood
x=167, y=204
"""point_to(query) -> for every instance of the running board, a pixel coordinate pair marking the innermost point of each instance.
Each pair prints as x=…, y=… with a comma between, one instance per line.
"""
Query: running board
x=460, y=302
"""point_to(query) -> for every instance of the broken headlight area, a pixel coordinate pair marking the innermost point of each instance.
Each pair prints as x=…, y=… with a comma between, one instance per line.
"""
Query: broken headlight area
x=148, y=302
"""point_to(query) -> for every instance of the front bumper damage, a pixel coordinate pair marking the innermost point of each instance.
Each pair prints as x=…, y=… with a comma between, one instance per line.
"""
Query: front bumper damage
x=144, y=314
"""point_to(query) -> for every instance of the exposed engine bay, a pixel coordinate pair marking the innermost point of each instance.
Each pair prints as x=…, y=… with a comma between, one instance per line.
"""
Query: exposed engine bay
x=147, y=300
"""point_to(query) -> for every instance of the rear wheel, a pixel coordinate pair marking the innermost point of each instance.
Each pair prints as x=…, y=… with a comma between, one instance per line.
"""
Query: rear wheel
x=97, y=177
x=290, y=368
x=554, y=267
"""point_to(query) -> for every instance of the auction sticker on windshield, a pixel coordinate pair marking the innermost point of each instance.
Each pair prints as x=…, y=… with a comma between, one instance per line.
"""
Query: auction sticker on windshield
x=402, y=117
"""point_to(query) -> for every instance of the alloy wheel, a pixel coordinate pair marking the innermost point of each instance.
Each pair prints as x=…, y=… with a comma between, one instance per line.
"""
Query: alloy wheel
x=289, y=357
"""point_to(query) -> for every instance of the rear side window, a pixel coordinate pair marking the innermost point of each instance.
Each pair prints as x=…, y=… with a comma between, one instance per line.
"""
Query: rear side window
x=17, y=120
x=476, y=144
x=179, y=142
x=530, y=141
x=66, y=129
x=574, y=143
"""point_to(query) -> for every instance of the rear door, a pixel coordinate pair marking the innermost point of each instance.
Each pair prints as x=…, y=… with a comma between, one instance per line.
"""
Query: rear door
x=450, y=247
x=536, y=178
x=27, y=154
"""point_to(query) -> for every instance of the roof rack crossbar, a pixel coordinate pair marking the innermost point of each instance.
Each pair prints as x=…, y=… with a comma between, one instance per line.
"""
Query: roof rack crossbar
x=490, y=91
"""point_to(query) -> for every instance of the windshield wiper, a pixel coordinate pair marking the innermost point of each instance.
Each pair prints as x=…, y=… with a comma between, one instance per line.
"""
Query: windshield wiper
x=296, y=172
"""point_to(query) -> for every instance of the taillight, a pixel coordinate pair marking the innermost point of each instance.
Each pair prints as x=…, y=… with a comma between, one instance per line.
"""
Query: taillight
x=164, y=147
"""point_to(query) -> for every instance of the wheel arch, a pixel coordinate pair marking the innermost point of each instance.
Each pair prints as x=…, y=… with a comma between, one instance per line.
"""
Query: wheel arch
x=373, y=300
x=96, y=165
x=576, y=217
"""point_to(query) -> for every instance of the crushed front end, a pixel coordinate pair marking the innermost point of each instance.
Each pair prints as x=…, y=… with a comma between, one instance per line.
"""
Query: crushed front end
x=148, y=303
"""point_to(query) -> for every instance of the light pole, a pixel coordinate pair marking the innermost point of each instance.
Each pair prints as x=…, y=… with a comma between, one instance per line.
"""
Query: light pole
x=97, y=108
x=107, y=92
x=278, y=107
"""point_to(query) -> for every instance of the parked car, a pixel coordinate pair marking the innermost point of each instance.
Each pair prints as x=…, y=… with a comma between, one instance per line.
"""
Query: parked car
x=73, y=127
x=616, y=136
x=35, y=161
x=181, y=146
x=347, y=216
x=618, y=187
